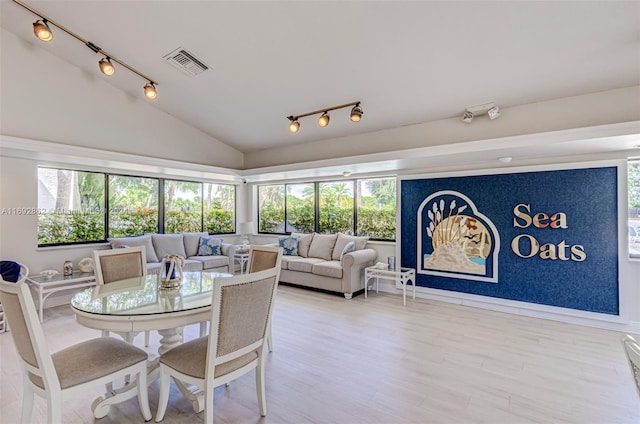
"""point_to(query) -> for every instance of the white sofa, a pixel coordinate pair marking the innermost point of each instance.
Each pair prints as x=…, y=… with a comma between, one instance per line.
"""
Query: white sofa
x=320, y=262
x=157, y=246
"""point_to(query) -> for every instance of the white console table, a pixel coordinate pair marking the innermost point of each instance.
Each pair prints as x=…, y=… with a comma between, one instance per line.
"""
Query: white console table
x=45, y=286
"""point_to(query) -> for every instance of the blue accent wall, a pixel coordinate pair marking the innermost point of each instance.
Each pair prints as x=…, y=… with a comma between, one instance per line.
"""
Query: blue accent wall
x=588, y=198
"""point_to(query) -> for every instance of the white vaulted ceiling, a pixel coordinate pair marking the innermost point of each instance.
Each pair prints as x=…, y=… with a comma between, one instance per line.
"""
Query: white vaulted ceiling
x=408, y=62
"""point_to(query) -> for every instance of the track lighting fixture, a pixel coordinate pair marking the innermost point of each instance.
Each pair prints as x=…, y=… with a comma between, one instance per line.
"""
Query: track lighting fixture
x=323, y=120
x=42, y=30
x=294, y=125
x=490, y=109
x=106, y=67
x=150, y=91
x=494, y=112
x=356, y=113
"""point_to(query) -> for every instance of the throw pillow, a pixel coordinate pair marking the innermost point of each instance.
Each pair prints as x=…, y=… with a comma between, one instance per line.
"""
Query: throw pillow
x=304, y=241
x=192, y=242
x=289, y=245
x=145, y=241
x=322, y=246
x=342, y=241
x=10, y=271
x=210, y=246
x=168, y=244
x=350, y=247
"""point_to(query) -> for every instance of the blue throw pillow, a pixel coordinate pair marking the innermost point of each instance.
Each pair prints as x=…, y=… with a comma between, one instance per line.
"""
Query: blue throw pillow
x=289, y=245
x=10, y=271
x=210, y=246
x=348, y=248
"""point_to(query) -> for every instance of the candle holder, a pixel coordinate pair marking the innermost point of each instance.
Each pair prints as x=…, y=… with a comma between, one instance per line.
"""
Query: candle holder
x=171, y=271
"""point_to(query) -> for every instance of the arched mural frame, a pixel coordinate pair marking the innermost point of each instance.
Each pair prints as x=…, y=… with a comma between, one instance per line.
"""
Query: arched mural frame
x=486, y=221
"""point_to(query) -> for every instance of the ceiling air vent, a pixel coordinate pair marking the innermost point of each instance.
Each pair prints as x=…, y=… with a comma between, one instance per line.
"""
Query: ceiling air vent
x=186, y=62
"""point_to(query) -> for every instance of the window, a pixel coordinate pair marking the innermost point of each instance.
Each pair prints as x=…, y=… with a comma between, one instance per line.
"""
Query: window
x=182, y=206
x=133, y=206
x=271, y=209
x=219, y=207
x=301, y=200
x=634, y=208
x=336, y=208
x=71, y=206
x=361, y=207
x=376, y=208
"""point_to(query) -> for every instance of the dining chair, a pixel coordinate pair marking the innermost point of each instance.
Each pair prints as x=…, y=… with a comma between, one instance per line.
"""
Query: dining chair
x=261, y=258
x=632, y=351
x=242, y=306
x=10, y=271
x=119, y=264
x=72, y=371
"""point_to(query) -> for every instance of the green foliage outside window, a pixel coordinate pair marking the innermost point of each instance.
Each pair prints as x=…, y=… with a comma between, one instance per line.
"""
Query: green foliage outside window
x=71, y=206
x=133, y=223
x=67, y=228
x=375, y=201
x=634, y=187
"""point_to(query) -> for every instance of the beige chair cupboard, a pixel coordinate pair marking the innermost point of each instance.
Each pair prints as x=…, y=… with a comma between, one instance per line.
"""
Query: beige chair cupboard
x=119, y=264
x=261, y=258
x=632, y=351
x=241, y=311
x=72, y=371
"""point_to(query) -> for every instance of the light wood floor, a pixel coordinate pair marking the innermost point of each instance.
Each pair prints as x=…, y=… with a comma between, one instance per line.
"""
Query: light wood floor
x=375, y=361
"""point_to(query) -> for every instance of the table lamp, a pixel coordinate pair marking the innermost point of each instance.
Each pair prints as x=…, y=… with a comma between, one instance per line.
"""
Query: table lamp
x=245, y=229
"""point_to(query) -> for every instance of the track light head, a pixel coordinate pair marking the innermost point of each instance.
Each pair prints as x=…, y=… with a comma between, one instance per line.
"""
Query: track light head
x=150, y=91
x=42, y=30
x=494, y=112
x=106, y=67
x=323, y=120
x=294, y=125
x=467, y=117
x=356, y=113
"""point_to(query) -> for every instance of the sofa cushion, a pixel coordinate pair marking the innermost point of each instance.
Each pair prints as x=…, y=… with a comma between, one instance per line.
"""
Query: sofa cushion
x=191, y=265
x=341, y=242
x=145, y=241
x=304, y=241
x=153, y=267
x=289, y=245
x=168, y=244
x=322, y=246
x=302, y=264
x=192, y=242
x=211, y=261
x=210, y=245
x=350, y=247
x=328, y=269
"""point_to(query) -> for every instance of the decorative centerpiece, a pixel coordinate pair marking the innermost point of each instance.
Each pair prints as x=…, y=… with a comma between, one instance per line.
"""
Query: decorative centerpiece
x=86, y=265
x=171, y=271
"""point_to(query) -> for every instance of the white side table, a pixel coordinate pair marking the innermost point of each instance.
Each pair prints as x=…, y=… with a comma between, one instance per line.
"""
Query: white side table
x=400, y=275
x=242, y=259
x=47, y=285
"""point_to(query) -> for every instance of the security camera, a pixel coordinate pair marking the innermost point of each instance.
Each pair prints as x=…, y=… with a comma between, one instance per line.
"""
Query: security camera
x=244, y=181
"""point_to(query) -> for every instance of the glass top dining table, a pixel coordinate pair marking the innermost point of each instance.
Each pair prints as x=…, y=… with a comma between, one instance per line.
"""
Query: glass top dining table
x=141, y=304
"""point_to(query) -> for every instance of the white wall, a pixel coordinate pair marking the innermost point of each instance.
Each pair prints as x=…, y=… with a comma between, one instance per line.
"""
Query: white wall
x=65, y=105
x=588, y=110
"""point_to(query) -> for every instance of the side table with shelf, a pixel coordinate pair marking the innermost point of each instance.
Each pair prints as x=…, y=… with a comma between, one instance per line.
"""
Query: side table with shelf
x=241, y=256
x=45, y=286
x=401, y=275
